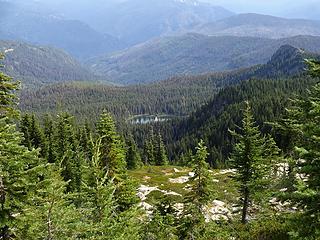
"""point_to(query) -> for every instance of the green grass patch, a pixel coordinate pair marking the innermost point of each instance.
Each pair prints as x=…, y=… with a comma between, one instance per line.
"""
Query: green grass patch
x=159, y=176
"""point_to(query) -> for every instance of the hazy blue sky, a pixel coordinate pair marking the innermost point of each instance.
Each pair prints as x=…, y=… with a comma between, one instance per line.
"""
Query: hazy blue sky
x=284, y=8
x=292, y=8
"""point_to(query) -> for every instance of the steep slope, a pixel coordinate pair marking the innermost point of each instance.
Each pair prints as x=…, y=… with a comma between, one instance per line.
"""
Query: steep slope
x=287, y=61
x=35, y=65
x=191, y=54
x=37, y=26
x=268, y=88
x=269, y=98
x=136, y=21
x=257, y=25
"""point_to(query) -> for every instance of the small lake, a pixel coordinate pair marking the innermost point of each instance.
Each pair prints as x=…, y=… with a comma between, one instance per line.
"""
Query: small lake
x=145, y=119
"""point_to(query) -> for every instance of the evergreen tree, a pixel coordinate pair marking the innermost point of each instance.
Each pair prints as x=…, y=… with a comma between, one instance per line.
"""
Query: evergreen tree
x=201, y=181
x=161, y=157
x=33, y=134
x=305, y=115
x=99, y=190
x=252, y=158
x=85, y=142
x=113, y=156
x=50, y=215
x=101, y=207
x=66, y=151
x=164, y=221
x=25, y=129
x=149, y=150
x=193, y=222
x=287, y=137
x=107, y=132
x=8, y=99
x=37, y=136
x=18, y=166
x=49, y=133
x=133, y=157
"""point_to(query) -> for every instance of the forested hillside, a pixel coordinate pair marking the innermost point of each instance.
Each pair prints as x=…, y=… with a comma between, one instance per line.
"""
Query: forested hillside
x=192, y=54
x=177, y=96
x=269, y=99
x=39, y=65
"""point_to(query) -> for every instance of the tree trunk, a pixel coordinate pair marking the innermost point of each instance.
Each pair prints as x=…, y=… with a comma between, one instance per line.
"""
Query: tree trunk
x=245, y=205
x=4, y=231
x=2, y=193
x=4, y=235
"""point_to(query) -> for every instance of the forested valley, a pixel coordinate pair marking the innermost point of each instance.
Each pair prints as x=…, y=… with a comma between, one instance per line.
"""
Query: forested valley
x=159, y=120
x=258, y=140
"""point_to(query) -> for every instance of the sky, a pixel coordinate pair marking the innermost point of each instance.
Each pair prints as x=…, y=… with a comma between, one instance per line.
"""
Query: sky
x=308, y=9
x=284, y=8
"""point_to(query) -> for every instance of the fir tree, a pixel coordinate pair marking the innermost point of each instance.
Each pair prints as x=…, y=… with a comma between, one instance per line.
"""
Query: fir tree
x=133, y=157
x=49, y=133
x=101, y=204
x=149, y=152
x=67, y=154
x=164, y=221
x=193, y=221
x=113, y=156
x=8, y=98
x=107, y=132
x=252, y=158
x=18, y=166
x=161, y=157
x=305, y=114
x=50, y=215
x=85, y=142
x=33, y=134
x=201, y=181
x=25, y=129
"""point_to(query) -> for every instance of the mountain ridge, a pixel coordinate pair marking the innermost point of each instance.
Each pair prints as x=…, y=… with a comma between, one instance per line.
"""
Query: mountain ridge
x=191, y=54
x=260, y=25
x=39, y=65
x=46, y=28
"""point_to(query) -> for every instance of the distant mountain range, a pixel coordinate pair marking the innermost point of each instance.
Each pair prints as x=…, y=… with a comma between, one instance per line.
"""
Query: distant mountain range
x=36, y=66
x=191, y=54
x=176, y=37
x=136, y=21
x=96, y=28
x=37, y=26
x=257, y=25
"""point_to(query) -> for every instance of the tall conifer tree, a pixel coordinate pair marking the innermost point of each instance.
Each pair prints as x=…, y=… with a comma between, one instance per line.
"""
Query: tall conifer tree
x=252, y=158
x=305, y=115
x=18, y=165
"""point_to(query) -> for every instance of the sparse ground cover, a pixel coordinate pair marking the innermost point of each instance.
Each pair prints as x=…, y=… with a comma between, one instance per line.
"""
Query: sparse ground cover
x=158, y=181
